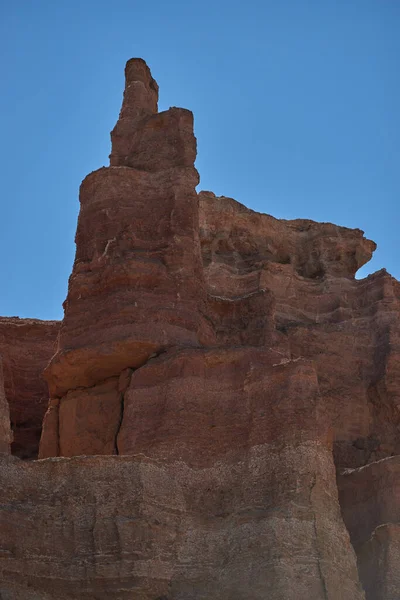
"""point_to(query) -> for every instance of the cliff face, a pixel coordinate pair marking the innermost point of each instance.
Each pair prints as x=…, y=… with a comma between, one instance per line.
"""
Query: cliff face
x=26, y=346
x=215, y=372
x=349, y=328
x=5, y=430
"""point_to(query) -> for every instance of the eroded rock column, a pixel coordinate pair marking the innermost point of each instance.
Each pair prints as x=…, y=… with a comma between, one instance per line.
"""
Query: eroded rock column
x=137, y=284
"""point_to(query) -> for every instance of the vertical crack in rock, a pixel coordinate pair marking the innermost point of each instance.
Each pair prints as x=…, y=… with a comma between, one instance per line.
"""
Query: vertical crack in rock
x=6, y=434
x=123, y=384
x=316, y=537
x=58, y=428
x=122, y=400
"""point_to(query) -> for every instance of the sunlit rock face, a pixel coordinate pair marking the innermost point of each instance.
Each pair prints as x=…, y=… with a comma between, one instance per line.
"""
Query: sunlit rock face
x=223, y=397
x=137, y=285
x=349, y=328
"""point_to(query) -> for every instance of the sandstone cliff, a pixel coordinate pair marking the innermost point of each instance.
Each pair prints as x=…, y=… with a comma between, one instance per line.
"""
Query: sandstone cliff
x=224, y=397
x=26, y=346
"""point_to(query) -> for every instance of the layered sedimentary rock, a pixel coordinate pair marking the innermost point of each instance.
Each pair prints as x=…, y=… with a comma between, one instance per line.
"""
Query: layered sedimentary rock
x=136, y=285
x=370, y=500
x=266, y=525
x=26, y=346
x=349, y=328
x=216, y=370
x=232, y=395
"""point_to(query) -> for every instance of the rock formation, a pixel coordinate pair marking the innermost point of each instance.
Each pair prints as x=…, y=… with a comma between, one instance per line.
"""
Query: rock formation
x=224, y=397
x=370, y=499
x=5, y=429
x=26, y=346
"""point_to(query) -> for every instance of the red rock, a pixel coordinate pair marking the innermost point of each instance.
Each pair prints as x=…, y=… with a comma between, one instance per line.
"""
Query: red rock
x=379, y=561
x=89, y=419
x=350, y=328
x=137, y=275
x=357, y=357
x=370, y=502
x=235, y=365
x=5, y=430
x=124, y=527
x=50, y=438
x=162, y=141
x=239, y=241
x=243, y=320
x=234, y=398
x=138, y=284
x=26, y=346
x=140, y=101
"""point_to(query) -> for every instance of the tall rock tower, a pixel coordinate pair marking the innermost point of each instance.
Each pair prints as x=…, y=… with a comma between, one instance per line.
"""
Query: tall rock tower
x=137, y=285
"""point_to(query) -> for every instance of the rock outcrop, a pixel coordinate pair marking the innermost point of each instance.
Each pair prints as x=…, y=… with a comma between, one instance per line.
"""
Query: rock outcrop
x=349, y=328
x=5, y=429
x=137, y=285
x=26, y=346
x=223, y=418
x=370, y=500
x=126, y=527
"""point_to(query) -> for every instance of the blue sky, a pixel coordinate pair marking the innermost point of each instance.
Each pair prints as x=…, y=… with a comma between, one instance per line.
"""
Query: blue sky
x=296, y=108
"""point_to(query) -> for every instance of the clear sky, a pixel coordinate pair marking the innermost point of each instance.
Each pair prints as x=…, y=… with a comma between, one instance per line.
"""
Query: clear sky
x=296, y=106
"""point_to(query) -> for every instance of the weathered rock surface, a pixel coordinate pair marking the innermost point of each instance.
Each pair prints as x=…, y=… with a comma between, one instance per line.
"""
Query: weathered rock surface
x=237, y=241
x=233, y=366
x=370, y=501
x=133, y=527
x=349, y=328
x=26, y=346
x=5, y=430
x=236, y=397
x=137, y=285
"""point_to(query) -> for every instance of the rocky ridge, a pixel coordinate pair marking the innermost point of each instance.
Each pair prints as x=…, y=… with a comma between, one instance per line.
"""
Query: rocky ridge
x=224, y=397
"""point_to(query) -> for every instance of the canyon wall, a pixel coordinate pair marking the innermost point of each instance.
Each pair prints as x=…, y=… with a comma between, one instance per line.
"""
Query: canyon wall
x=26, y=346
x=223, y=402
